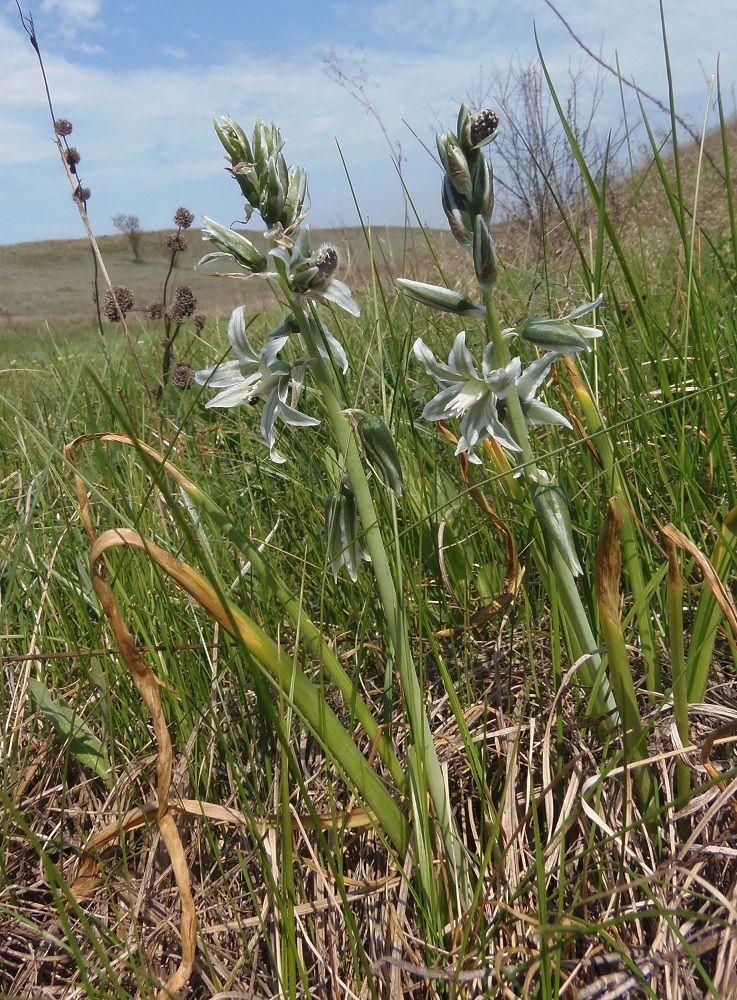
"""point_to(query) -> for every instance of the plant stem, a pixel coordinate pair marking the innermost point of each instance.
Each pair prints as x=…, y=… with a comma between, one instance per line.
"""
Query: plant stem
x=393, y=612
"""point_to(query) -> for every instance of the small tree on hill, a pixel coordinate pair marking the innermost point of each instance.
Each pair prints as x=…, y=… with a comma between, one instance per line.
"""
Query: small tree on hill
x=131, y=227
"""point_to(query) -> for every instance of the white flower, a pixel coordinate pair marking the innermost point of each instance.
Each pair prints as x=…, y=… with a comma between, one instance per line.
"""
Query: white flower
x=469, y=397
x=311, y=274
x=257, y=375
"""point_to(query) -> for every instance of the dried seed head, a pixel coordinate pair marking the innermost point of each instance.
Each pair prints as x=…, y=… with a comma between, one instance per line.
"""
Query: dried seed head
x=183, y=375
x=72, y=157
x=326, y=259
x=82, y=194
x=62, y=126
x=183, y=218
x=185, y=302
x=177, y=244
x=483, y=126
x=155, y=310
x=124, y=305
x=199, y=320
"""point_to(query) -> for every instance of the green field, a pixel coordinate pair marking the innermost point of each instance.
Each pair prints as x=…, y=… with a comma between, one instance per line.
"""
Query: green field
x=592, y=852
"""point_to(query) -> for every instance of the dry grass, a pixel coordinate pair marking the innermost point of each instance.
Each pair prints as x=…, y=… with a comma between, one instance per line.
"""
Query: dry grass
x=52, y=281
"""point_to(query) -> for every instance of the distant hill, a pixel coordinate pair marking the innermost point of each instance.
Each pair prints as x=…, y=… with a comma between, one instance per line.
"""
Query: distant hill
x=52, y=280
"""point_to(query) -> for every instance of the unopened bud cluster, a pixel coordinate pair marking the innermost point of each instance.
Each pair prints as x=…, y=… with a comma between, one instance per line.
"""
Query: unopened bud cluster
x=468, y=188
x=271, y=188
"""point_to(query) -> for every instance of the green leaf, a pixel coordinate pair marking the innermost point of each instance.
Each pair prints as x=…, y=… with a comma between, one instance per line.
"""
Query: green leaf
x=83, y=745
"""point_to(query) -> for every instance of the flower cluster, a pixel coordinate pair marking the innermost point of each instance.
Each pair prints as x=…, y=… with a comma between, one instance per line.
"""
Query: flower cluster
x=256, y=375
x=477, y=399
x=271, y=188
x=184, y=303
x=176, y=243
x=468, y=188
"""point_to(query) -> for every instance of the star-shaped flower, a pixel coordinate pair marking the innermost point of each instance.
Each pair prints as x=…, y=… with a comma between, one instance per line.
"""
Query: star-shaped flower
x=257, y=375
x=468, y=396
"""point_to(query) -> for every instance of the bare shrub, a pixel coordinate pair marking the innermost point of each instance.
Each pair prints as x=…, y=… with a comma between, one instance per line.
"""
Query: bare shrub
x=130, y=227
x=539, y=177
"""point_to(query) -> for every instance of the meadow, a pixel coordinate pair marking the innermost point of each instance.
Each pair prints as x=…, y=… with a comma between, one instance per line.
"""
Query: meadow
x=500, y=762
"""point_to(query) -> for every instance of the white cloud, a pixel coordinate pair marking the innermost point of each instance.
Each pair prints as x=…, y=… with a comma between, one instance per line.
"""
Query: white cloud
x=78, y=11
x=145, y=134
x=173, y=52
x=432, y=22
x=91, y=49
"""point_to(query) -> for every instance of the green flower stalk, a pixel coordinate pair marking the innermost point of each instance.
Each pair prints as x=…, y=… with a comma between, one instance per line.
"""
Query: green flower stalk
x=301, y=348
x=499, y=403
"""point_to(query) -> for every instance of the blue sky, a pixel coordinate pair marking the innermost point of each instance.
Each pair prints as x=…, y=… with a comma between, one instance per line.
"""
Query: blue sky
x=142, y=80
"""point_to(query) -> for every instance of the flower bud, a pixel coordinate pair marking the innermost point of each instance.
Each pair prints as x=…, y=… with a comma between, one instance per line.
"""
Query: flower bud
x=551, y=506
x=296, y=191
x=234, y=140
x=342, y=529
x=437, y=297
x=484, y=255
x=463, y=128
x=557, y=335
x=457, y=166
x=456, y=211
x=273, y=194
x=235, y=245
x=247, y=178
x=482, y=177
x=381, y=450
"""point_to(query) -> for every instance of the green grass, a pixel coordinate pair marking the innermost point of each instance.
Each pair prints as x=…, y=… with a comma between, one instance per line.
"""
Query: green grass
x=563, y=866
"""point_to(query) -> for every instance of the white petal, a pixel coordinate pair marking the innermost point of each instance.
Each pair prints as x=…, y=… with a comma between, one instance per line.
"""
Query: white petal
x=537, y=413
x=295, y=418
x=237, y=336
x=590, y=332
x=226, y=373
x=268, y=418
x=233, y=396
x=438, y=407
x=440, y=372
x=340, y=294
x=502, y=380
x=535, y=374
x=335, y=350
x=460, y=359
x=585, y=307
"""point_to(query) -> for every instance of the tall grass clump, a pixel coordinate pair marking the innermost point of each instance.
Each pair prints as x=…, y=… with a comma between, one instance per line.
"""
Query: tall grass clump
x=433, y=627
